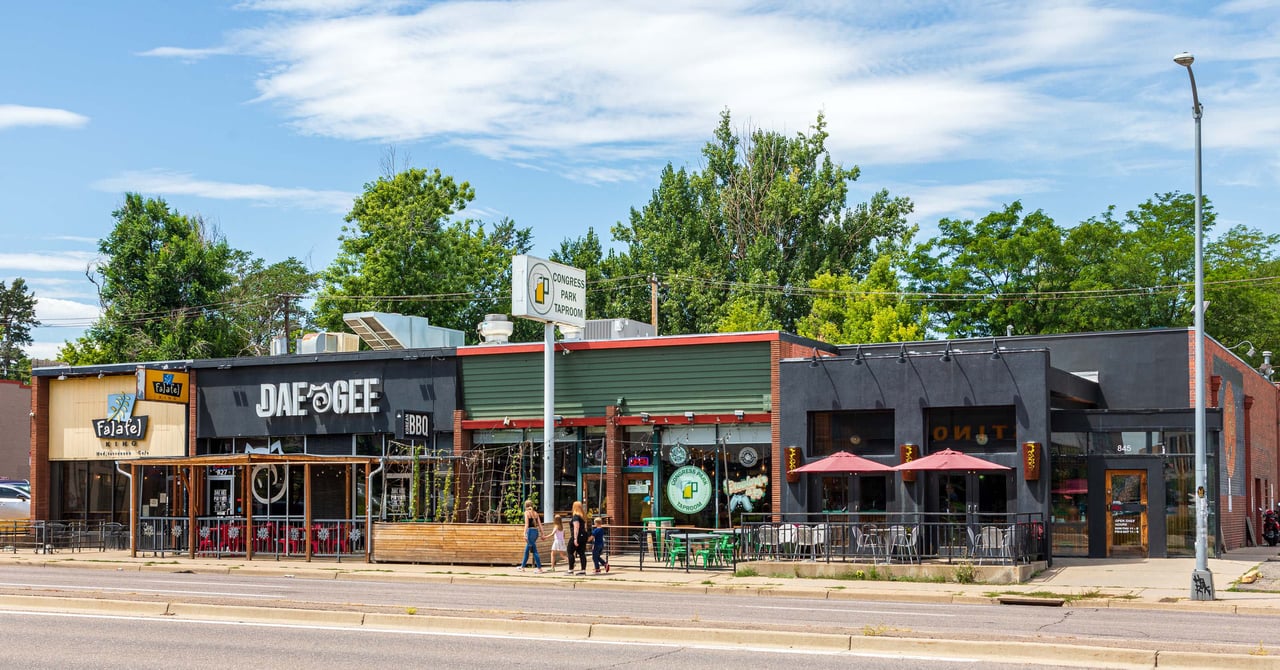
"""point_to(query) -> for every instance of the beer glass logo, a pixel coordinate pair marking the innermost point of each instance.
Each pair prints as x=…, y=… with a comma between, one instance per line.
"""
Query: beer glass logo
x=540, y=288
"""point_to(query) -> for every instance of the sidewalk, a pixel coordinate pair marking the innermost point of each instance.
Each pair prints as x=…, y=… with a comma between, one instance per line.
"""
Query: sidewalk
x=1154, y=583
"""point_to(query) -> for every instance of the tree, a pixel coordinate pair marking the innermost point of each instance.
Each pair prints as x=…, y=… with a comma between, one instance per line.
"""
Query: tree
x=767, y=214
x=17, y=318
x=991, y=273
x=261, y=298
x=161, y=287
x=404, y=253
x=871, y=310
x=1106, y=273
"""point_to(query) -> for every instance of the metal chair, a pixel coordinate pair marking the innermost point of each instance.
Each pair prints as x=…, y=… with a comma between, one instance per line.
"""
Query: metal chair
x=903, y=541
x=866, y=540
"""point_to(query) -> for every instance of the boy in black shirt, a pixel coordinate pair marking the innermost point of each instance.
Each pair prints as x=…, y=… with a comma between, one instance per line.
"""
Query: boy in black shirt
x=597, y=545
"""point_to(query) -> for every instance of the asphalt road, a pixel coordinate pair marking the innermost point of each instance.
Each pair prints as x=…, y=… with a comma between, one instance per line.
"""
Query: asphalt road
x=551, y=601
x=64, y=641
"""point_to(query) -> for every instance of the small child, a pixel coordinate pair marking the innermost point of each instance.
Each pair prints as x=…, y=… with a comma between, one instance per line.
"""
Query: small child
x=557, y=541
x=597, y=546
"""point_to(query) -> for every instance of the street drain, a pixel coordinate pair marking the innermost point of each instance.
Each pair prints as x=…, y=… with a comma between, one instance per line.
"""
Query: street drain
x=1025, y=600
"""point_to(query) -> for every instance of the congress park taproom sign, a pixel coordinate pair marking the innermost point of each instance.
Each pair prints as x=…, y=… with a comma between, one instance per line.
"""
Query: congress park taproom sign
x=342, y=396
x=548, y=292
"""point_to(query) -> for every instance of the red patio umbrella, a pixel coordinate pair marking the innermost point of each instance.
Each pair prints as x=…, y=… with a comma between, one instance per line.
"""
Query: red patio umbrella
x=950, y=459
x=843, y=462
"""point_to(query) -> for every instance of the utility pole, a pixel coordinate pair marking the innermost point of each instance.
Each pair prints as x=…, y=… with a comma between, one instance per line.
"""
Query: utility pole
x=288, y=299
x=653, y=300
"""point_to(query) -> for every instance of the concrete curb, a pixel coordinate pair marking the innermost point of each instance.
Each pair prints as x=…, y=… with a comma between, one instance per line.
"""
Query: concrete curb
x=719, y=636
x=85, y=605
x=520, y=627
x=271, y=614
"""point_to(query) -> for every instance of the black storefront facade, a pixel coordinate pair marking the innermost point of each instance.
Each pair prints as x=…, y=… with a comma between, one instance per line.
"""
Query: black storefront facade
x=1096, y=430
x=339, y=439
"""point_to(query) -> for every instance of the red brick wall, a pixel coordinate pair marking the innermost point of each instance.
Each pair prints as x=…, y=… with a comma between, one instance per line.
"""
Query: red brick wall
x=1261, y=462
x=40, y=448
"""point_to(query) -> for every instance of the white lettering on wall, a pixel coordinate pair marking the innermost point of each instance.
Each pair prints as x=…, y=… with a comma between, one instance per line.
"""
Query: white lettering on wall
x=343, y=396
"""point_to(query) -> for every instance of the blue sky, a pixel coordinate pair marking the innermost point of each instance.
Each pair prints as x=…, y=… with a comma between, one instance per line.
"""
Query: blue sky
x=266, y=117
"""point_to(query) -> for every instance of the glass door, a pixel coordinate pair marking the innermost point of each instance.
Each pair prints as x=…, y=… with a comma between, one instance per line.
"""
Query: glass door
x=639, y=500
x=1127, y=513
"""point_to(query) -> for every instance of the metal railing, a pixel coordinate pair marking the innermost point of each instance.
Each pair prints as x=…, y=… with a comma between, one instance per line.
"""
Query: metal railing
x=279, y=536
x=896, y=537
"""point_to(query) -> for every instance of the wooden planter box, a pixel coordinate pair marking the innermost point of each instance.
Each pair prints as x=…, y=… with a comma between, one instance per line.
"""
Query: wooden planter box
x=453, y=543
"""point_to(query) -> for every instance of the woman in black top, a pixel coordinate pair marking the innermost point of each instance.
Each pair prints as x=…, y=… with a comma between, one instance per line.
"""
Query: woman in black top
x=578, y=538
x=533, y=531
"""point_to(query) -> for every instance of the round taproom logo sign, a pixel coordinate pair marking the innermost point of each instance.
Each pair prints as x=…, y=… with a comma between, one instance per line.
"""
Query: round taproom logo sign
x=689, y=490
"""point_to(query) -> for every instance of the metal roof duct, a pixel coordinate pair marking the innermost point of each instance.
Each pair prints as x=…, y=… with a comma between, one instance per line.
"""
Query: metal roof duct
x=385, y=330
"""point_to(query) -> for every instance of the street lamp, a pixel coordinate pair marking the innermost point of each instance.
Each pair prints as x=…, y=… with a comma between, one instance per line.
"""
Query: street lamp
x=1201, y=578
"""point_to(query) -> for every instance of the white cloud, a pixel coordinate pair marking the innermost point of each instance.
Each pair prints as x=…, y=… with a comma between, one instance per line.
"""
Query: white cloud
x=164, y=182
x=187, y=54
x=56, y=313
x=49, y=261
x=43, y=351
x=965, y=201
x=14, y=116
x=600, y=91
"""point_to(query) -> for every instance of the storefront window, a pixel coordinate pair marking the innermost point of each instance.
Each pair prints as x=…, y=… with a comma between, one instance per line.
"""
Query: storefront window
x=971, y=428
x=368, y=445
x=860, y=432
x=1069, y=490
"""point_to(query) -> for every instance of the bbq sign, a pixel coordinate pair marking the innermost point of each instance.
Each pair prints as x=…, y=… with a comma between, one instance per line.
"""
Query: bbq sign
x=163, y=385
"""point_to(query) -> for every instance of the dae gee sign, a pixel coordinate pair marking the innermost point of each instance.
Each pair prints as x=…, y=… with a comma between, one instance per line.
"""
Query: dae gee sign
x=548, y=292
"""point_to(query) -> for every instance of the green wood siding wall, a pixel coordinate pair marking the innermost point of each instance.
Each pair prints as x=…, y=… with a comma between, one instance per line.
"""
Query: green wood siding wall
x=713, y=378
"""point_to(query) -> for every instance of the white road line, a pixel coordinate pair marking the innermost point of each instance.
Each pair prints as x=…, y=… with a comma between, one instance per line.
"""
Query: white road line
x=134, y=590
x=844, y=611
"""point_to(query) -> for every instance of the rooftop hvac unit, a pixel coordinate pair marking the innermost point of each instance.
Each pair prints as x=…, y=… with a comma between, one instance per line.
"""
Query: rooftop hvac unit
x=616, y=329
x=385, y=330
x=279, y=345
x=327, y=343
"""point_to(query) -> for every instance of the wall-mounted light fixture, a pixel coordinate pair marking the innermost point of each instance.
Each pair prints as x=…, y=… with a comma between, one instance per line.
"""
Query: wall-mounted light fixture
x=689, y=416
x=902, y=353
x=857, y=355
x=101, y=375
x=813, y=362
x=644, y=417
x=62, y=378
x=739, y=414
x=995, y=350
x=946, y=355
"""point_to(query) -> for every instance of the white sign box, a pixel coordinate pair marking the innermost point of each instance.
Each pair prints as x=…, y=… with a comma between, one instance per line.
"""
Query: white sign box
x=548, y=292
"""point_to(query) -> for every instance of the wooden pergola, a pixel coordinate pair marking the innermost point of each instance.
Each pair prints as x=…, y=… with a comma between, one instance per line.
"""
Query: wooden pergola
x=193, y=472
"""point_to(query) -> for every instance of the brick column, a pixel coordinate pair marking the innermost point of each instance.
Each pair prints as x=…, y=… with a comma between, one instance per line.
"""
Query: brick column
x=614, y=484
x=462, y=475
x=39, y=453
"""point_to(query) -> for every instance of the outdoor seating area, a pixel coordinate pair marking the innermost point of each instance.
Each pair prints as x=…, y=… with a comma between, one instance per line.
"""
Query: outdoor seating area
x=896, y=538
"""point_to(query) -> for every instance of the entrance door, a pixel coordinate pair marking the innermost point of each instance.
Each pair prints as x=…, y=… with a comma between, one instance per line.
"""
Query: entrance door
x=639, y=498
x=1127, y=513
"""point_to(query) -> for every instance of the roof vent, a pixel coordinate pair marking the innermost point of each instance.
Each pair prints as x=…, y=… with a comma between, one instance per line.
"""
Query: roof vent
x=495, y=329
x=327, y=343
x=616, y=329
x=385, y=330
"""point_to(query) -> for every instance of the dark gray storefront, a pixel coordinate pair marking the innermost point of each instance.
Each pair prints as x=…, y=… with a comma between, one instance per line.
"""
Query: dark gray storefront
x=1106, y=414
x=393, y=405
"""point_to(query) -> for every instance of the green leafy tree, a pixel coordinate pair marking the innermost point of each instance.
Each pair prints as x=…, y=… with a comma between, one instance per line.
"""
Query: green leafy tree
x=992, y=272
x=262, y=296
x=161, y=285
x=767, y=213
x=870, y=310
x=403, y=252
x=17, y=318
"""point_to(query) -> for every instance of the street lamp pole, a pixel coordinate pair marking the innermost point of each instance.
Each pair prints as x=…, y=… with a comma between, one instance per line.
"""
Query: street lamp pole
x=1201, y=577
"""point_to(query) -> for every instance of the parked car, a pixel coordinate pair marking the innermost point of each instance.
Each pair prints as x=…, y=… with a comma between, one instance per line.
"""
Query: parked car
x=15, y=501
